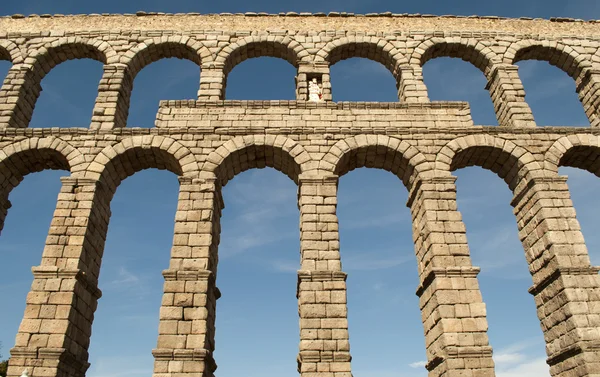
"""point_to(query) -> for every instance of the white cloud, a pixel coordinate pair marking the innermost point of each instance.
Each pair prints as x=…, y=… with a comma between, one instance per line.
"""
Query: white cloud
x=521, y=359
x=532, y=368
x=124, y=278
x=418, y=364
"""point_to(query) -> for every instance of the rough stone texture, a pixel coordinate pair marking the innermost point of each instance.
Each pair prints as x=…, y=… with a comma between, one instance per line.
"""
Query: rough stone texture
x=208, y=140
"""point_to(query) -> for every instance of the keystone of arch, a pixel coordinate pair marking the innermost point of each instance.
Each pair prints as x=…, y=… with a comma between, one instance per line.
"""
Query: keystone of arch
x=10, y=51
x=516, y=49
x=181, y=156
x=284, y=47
x=416, y=163
x=290, y=147
x=190, y=48
x=527, y=166
x=468, y=49
x=562, y=146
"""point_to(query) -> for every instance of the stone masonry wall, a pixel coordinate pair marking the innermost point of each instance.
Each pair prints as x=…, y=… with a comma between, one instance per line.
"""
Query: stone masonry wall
x=208, y=140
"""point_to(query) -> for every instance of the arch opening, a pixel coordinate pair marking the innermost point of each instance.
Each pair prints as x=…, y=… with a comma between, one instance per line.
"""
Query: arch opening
x=583, y=189
x=68, y=94
x=244, y=49
x=137, y=250
x=238, y=155
x=262, y=78
x=362, y=79
x=258, y=264
x=551, y=92
x=165, y=77
x=22, y=241
x=449, y=78
x=377, y=253
x=45, y=61
x=5, y=65
x=519, y=346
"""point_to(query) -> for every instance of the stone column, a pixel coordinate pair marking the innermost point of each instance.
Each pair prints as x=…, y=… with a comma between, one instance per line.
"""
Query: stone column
x=213, y=82
x=54, y=336
x=5, y=205
x=308, y=71
x=114, y=94
x=18, y=96
x=508, y=96
x=565, y=286
x=453, y=313
x=186, y=335
x=588, y=88
x=324, y=345
x=411, y=86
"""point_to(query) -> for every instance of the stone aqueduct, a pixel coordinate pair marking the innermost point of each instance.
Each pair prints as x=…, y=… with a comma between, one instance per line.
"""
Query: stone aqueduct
x=208, y=141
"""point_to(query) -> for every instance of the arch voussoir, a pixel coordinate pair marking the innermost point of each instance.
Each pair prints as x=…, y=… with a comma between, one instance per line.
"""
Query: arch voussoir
x=508, y=160
x=256, y=151
x=394, y=155
x=579, y=150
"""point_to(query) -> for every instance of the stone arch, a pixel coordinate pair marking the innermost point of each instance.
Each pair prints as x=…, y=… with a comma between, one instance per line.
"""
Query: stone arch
x=33, y=155
x=10, y=51
x=43, y=59
x=553, y=52
x=282, y=47
x=376, y=151
x=117, y=162
x=372, y=48
x=257, y=151
x=579, y=151
x=468, y=49
x=503, y=157
x=152, y=50
x=39, y=62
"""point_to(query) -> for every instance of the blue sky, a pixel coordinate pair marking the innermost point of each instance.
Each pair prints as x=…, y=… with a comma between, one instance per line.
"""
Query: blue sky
x=257, y=320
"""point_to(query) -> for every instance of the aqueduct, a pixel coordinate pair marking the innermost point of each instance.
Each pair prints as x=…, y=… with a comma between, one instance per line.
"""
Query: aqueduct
x=208, y=140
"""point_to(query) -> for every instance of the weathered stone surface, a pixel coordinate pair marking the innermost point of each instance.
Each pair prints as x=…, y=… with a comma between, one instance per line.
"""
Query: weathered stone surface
x=206, y=141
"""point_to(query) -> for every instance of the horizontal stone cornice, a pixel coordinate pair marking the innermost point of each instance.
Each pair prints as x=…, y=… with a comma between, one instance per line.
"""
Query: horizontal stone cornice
x=459, y=353
x=312, y=276
x=198, y=354
x=323, y=356
x=445, y=272
x=525, y=187
x=560, y=272
x=57, y=354
x=573, y=350
x=420, y=183
x=53, y=272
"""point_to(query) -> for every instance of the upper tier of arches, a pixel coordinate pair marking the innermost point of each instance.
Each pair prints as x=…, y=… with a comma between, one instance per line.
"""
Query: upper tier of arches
x=217, y=54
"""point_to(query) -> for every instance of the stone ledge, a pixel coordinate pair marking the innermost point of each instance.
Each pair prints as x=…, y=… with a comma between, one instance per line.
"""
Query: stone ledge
x=142, y=13
x=522, y=189
x=315, y=276
x=561, y=271
x=418, y=184
x=61, y=354
x=53, y=272
x=446, y=272
x=459, y=353
x=323, y=356
x=293, y=104
x=573, y=350
x=198, y=354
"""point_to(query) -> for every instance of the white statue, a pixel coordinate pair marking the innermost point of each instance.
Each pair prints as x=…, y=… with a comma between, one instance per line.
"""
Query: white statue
x=315, y=93
x=25, y=373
